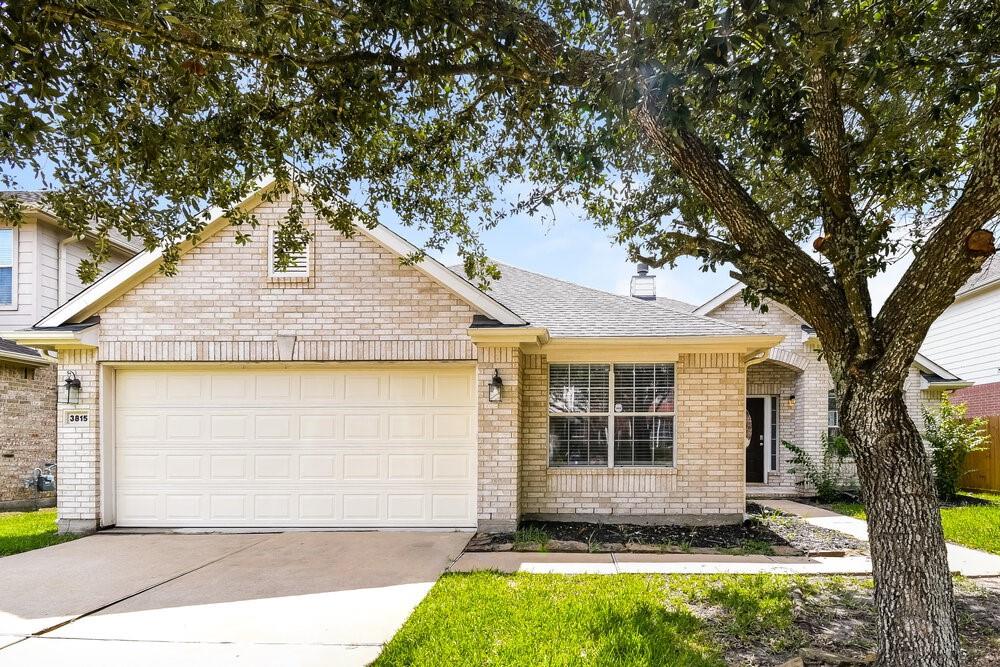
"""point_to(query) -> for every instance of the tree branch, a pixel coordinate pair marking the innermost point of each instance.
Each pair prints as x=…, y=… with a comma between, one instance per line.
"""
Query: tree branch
x=764, y=252
x=948, y=259
x=422, y=65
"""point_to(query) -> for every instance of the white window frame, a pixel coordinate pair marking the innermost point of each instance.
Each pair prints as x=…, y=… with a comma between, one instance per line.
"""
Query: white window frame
x=13, y=269
x=832, y=416
x=772, y=421
x=611, y=414
x=273, y=272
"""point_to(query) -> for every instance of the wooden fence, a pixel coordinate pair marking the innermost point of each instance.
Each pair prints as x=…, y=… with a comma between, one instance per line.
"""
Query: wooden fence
x=983, y=467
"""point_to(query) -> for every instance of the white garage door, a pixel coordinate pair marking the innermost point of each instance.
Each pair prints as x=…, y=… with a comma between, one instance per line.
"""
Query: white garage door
x=377, y=447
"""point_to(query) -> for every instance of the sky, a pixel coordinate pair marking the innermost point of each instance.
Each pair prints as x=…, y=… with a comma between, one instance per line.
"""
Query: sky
x=571, y=248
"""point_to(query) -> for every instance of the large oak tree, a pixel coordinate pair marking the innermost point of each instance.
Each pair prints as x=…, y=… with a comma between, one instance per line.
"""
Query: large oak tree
x=732, y=131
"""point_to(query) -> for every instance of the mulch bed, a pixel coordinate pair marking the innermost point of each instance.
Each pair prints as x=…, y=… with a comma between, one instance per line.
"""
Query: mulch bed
x=762, y=533
x=805, y=536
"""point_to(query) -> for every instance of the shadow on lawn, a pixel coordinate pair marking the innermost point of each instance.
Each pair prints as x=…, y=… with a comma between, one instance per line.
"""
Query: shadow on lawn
x=648, y=634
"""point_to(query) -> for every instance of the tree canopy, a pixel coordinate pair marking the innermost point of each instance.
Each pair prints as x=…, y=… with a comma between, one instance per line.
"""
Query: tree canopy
x=733, y=131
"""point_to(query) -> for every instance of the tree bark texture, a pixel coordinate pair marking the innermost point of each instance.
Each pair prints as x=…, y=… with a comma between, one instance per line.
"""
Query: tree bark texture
x=913, y=588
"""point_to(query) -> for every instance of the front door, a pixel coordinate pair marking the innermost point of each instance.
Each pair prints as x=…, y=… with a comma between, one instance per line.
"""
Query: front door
x=755, y=432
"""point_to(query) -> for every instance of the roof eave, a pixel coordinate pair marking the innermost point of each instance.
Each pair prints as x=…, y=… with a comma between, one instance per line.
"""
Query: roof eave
x=55, y=339
x=28, y=360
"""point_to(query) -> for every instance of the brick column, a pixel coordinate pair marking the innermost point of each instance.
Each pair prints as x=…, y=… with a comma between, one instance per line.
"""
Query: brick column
x=499, y=438
x=79, y=449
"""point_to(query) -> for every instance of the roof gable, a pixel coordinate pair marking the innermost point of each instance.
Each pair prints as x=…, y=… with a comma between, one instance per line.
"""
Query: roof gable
x=733, y=291
x=146, y=264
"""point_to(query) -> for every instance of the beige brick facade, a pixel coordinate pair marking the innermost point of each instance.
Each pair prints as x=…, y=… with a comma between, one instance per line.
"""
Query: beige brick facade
x=79, y=446
x=706, y=481
x=801, y=421
x=360, y=304
x=499, y=438
x=27, y=429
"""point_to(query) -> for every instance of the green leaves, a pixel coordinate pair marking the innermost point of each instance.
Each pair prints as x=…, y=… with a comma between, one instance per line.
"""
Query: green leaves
x=448, y=113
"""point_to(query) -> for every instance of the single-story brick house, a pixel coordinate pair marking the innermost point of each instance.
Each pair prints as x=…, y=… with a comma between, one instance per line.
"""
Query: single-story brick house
x=354, y=390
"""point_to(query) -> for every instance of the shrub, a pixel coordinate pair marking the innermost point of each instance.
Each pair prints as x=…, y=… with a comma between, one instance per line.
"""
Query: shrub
x=825, y=475
x=952, y=437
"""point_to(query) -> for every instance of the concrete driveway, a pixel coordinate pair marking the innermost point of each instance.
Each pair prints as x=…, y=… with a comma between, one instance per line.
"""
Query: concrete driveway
x=248, y=599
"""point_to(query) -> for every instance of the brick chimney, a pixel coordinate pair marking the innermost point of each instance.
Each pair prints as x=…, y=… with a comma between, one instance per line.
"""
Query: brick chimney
x=643, y=284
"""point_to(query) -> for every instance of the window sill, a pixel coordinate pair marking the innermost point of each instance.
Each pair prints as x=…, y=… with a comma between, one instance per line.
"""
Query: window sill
x=604, y=470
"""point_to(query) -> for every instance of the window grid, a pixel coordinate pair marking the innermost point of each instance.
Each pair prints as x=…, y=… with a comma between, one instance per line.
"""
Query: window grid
x=832, y=415
x=618, y=435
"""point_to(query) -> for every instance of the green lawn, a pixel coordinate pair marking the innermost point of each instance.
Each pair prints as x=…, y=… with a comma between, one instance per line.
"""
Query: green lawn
x=975, y=526
x=24, y=531
x=487, y=618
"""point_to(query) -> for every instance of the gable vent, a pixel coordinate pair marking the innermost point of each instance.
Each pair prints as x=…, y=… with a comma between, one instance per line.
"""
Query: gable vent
x=298, y=262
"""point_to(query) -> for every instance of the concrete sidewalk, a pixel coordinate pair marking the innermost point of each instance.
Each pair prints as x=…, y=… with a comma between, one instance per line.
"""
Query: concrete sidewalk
x=618, y=563
x=965, y=561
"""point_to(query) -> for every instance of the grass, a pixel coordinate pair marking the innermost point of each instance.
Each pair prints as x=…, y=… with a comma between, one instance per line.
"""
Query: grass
x=530, y=539
x=486, y=618
x=974, y=526
x=24, y=531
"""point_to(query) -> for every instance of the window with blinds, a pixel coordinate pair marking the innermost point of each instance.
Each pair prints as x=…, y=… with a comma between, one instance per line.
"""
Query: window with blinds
x=7, y=257
x=621, y=413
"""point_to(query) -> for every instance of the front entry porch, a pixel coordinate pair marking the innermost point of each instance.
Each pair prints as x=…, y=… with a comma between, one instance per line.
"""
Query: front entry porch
x=783, y=403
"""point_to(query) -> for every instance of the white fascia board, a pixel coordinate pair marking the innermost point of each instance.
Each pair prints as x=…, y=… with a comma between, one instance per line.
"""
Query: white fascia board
x=55, y=339
x=719, y=299
x=26, y=359
x=928, y=365
x=441, y=274
x=124, y=275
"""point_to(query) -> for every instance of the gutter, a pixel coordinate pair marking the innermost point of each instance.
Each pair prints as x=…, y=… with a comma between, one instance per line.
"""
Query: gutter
x=33, y=360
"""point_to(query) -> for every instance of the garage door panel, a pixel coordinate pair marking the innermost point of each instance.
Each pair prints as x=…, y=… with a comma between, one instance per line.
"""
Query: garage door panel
x=307, y=448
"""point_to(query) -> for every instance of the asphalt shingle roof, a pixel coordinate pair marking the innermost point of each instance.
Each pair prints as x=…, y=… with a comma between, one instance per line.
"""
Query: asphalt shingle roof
x=11, y=346
x=987, y=274
x=26, y=196
x=34, y=199
x=570, y=310
x=682, y=306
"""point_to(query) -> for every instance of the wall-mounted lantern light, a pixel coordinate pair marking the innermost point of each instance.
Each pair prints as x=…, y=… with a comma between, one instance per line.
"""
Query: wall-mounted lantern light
x=72, y=388
x=791, y=399
x=496, y=387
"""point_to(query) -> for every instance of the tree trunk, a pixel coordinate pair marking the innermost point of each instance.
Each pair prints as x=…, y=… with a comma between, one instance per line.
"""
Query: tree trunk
x=913, y=587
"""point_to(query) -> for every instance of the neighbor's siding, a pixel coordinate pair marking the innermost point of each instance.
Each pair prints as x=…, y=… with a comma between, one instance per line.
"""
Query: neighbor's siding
x=708, y=477
x=24, y=315
x=964, y=338
x=79, y=251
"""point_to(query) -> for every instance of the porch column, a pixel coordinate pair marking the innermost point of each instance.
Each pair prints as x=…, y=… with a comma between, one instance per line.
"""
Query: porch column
x=78, y=455
x=499, y=438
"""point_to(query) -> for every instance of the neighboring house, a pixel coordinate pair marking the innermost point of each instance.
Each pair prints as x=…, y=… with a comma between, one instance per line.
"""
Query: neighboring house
x=38, y=262
x=789, y=389
x=966, y=339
